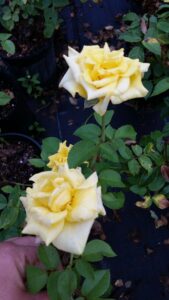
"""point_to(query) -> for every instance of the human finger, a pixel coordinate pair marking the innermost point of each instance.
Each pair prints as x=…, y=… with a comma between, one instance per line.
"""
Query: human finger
x=25, y=241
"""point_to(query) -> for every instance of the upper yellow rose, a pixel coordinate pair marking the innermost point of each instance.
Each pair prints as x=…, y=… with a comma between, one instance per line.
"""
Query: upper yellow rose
x=61, y=208
x=104, y=74
x=60, y=158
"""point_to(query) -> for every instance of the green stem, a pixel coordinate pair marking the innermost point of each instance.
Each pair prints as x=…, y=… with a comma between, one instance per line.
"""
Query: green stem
x=71, y=261
x=102, y=140
x=103, y=129
x=14, y=182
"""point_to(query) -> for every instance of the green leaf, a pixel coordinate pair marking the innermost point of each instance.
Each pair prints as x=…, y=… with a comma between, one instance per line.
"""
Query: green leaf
x=141, y=191
x=157, y=184
x=89, y=132
x=3, y=201
x=137, y=150
x=134, y=167
x=7, y=189
x=8, y=46
x=49, y=256
x=98, y=286
x=111, y=178
x=114, y=200
x=107, y=117
x=131, y=36
x=125, y=152
x=109, y=132
x=50, y=146
x=137, y=52
x=4, y=36
x=153, y=47
x=126, y=132
x=149, y=86
x=108, y=153
x=4, y=98
x=8, y=217
x=152, y=31
x=37, y=162
x=66, y=284
x=163, y=26
x=84, y=269
x=145, y=162
x=130, y=17
x=36, y=279
x=96, y=249
x=52, y=287
x=80, y=152
x=161, y=87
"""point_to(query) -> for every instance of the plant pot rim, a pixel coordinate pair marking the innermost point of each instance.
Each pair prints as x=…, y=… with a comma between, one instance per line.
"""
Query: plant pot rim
x=21, y=136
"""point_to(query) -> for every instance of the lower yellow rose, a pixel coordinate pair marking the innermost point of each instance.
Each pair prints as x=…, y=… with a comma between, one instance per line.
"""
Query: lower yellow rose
x=61, y=208
x=99, y=73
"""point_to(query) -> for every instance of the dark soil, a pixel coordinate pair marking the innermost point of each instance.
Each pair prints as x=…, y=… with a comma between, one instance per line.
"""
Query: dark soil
x=14, y=161
x=7, y=110
x=27, y=37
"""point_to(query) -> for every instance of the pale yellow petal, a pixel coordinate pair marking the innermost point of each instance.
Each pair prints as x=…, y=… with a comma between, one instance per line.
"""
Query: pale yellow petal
x=72, y=52
x=46, y=217
x=68, y=83
x=73, y=237
x=123, y=85
x=73, y=176
x=84, y=205
x=91, y=181
x=47, y=234
x=100, y=207
x=101, y=106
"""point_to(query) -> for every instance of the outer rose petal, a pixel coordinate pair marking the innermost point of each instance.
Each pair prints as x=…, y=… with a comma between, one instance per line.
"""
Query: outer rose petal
x=47, y=234
x=91, y=181
x=68, y=83
x=144, y=67
x=73, y=237
x=101, y=106
x=74, y=67
x=72, y=52
x=100, y=207
x=136, y=89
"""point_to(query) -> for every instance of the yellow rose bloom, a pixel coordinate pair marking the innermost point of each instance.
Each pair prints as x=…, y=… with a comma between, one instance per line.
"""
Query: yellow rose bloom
x=60, y=158
x=61, y=208
x=99, y=73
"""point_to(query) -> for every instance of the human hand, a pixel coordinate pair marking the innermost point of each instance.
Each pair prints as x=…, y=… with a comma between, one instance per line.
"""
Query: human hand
x=15, y=254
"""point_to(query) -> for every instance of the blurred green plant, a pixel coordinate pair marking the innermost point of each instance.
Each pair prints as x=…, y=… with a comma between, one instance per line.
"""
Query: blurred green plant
x=31, y=84
x=12, y=214
x=148, y=40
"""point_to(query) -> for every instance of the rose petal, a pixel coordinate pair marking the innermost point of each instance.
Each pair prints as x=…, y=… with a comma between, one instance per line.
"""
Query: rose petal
x=73, y=237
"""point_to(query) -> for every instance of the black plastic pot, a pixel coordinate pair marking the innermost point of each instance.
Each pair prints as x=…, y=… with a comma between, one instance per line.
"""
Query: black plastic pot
x=14, y=156
x=41, y=61
x=8, y=111
x=19, y=117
